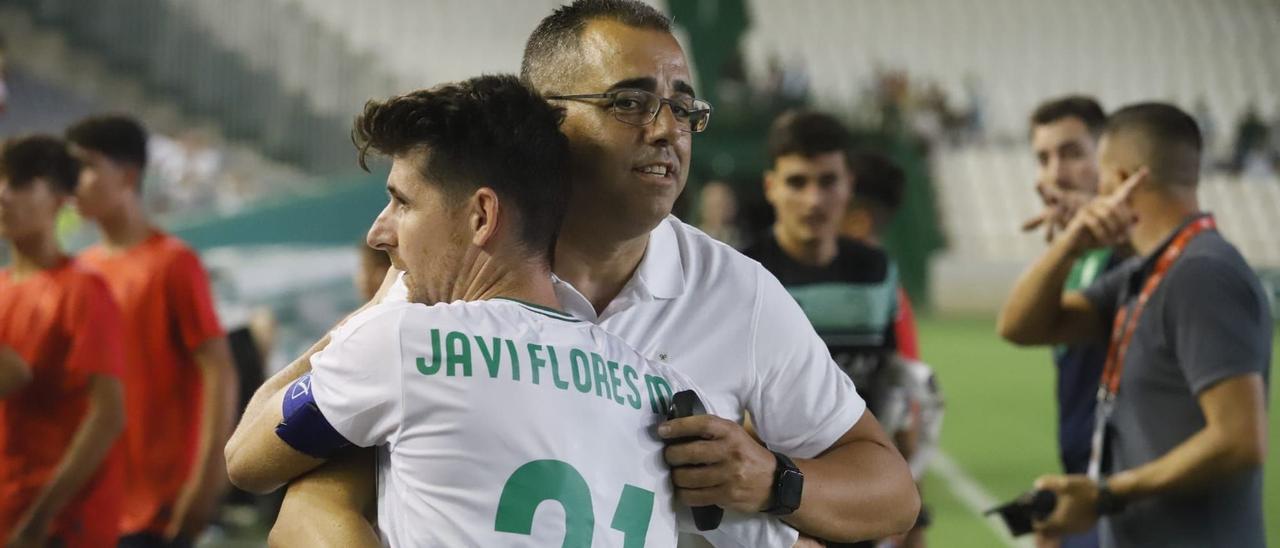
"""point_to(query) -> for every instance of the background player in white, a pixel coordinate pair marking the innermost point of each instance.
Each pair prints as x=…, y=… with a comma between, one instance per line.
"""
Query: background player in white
x=678, y=296
x=491, y=401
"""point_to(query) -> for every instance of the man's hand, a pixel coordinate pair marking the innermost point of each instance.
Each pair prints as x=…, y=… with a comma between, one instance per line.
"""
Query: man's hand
x=1060, y=206
x=1105, y=221
x=192, y=512
x=1077, y=508
x=31, y=531
x=720, y=464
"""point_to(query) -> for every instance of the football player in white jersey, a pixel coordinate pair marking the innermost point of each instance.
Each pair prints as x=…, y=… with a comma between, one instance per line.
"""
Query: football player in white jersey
x=482, y=399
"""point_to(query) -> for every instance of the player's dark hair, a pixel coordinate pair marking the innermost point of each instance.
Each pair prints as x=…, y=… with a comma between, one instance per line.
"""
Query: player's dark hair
x=25, y=159
x=1081, y=107
x=879, y=186
x=808, y=134
x=118, y=137
x=1172, y=136
x=556, y=38
x=488, y=131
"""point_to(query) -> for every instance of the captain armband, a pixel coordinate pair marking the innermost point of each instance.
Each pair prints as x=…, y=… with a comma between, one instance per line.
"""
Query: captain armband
x=304, y=428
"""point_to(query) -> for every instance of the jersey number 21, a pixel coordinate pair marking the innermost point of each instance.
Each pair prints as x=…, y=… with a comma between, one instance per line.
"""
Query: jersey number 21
x=543, y=480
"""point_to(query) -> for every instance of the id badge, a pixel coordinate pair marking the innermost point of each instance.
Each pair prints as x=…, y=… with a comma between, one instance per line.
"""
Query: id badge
x=1102, y=417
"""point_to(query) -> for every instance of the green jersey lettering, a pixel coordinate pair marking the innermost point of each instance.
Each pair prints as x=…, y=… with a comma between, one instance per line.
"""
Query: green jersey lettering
x=659, y=393
x=602, y=381
x=515, y=360
x=581, y=370
x=492, y=358
x=555, y=369
x=435, y=356
x=615, y=383
x=629, y=373
x=459, y=346
x=535, y=362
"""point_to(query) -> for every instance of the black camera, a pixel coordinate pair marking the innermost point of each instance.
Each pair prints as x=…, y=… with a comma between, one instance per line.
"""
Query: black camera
x=687, y=404
x=1019, y=513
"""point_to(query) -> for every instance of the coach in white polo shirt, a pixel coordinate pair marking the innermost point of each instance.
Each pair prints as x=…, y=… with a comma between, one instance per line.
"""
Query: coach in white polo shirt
x=679, y=297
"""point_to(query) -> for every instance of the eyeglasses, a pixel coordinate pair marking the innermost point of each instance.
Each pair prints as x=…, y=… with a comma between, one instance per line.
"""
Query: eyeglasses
x=637, y=107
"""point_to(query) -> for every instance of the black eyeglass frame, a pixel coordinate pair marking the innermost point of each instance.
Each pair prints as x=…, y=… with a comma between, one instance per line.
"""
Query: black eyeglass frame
x=653, y=115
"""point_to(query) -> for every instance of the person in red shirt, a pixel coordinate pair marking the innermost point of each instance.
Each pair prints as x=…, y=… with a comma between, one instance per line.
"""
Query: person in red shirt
x=181, y=399
x=61, y=359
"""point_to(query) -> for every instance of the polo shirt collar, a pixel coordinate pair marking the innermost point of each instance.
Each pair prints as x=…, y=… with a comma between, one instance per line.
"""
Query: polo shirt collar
x=1139, y=275
x=661, y=272
x=660, y=275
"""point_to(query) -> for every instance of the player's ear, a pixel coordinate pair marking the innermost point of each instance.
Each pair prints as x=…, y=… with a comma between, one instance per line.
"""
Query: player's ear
x=484, y=216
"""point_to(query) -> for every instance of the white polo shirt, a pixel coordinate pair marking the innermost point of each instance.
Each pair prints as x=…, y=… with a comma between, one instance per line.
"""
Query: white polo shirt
x=723, y=320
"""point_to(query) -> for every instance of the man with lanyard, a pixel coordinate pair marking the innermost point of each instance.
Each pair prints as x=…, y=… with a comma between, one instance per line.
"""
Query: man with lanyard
x=623, y=262
x=1179, y=438
x=1064, y=137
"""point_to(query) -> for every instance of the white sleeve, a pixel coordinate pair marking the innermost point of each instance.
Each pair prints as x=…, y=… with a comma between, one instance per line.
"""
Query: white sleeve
x=356, y=378
x=801, y=402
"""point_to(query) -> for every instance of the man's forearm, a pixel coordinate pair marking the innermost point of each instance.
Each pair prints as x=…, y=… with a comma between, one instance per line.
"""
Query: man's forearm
x=103, y=422
x=1035, y=302
x=329, y=505
x=1196, y=463
x=861, y=490
x=218, y=407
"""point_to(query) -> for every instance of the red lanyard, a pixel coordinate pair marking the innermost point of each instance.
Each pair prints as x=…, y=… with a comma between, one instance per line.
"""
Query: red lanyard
x=1125, y=324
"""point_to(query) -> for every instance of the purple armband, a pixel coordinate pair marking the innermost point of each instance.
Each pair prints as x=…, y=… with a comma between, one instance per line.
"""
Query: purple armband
x=304, y=428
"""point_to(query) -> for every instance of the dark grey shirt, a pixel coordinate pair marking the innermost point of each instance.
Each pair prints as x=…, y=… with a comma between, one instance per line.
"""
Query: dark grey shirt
x=1207, y=321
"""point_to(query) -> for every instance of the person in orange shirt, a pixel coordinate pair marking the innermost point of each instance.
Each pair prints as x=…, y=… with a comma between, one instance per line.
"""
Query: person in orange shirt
x=61, y=358
x=180, y=399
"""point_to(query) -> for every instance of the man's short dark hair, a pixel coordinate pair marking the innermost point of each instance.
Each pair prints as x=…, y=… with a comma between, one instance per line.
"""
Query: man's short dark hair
x=879, y=186
x=556, y=38
x=118, y=137
x=1172, y=137
x=1081, y=107
x=489, y=131
x=25, y=159
x=808, y=134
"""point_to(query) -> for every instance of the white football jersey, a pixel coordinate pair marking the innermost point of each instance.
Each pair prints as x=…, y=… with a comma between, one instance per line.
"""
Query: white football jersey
x=501, y=423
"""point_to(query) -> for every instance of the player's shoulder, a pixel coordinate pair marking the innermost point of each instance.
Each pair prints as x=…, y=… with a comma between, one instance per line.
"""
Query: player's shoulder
x=171, y=249
x=1208, y=260
x=383, y=320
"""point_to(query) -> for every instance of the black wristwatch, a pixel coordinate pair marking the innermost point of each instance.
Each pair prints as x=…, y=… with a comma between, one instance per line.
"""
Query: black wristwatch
x=1108, y=502
x=788, y=484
